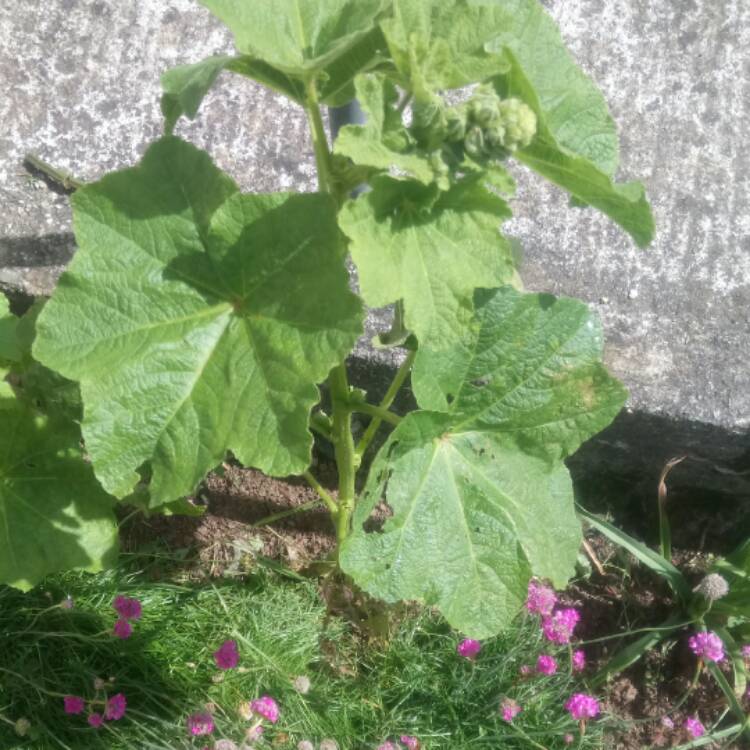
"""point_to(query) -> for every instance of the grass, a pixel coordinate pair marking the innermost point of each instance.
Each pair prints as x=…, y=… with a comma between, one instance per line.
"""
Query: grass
x=361, y=693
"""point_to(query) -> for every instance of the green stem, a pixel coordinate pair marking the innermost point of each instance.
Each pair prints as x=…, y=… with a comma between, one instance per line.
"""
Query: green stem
x=324, y=496
x=62, y=178
x=388, y=399
x=343, y=445
x=376, y=411
x=320, y=141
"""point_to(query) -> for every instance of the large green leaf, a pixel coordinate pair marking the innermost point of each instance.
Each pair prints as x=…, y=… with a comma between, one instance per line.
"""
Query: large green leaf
x=53, y=513
x=431, y=249
x=464, y=531
x=574, y=109
x=442, y=45
x=197, y=320
x=625, y=204
x=383, y=141
x=527, y=369
x=298, y=37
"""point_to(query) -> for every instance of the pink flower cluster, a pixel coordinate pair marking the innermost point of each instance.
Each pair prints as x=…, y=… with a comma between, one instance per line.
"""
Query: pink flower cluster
x=127, y=609
x=540, y=599
x=707, y=646
x=546, y=664
x=694, y=727
x=582, y=706
x=509, y=709
x=114, y=708
x=468, y=648
x=557, y=624
x=227, y=656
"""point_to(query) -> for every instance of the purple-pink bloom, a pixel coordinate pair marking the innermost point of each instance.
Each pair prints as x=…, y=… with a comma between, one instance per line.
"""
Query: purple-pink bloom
x=96, y=720
x=387, y=745
x=540, y=599
x=582, y=706
x=546, y=664
x=468, y=648
x=559, y=626
x=667, y=722
x=746, y=651
x=127, y=608
x=266, y=707
x=525, y=670
x=569, y=739
x=116, y=706
x=74, y=704
x=708, y=646
x=411, y=742
x=694, y=727
x=227, y=656
x=200, y=724
x=122, y=629
x=579, y=661
x=509, y=709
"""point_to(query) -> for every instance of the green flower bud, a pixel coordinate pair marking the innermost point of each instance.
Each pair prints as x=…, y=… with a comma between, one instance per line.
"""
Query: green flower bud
x=485, y=106
x=474, y=142
x=429, y=123
x=495, y=137
x=456, y=122
x=519, y=121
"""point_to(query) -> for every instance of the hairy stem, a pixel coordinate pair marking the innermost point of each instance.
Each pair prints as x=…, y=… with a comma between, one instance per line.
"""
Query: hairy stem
x=376, y=411
x=343, y=446
x=324, y=496
x=388, y=399
x=65, y=179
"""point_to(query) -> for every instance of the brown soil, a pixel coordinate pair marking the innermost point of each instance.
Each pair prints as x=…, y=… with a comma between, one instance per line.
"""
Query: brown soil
x=624, y=598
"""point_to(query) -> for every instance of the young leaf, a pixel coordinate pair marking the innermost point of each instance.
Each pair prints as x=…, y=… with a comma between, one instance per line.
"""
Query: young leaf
x=53, y=513
x=197, y=320
x=464, y=530
x=298, y=37
x=625, y=204
x=186, y=85
x=441, y=45
x=430, y=249
x=575, y=111
x=528, y=369
x=383, y=141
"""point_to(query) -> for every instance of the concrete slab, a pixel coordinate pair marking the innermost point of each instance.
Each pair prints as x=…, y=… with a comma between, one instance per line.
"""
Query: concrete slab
x=81, y=83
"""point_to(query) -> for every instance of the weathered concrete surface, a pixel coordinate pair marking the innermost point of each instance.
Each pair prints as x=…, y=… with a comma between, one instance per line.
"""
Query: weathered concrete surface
x=80, y=83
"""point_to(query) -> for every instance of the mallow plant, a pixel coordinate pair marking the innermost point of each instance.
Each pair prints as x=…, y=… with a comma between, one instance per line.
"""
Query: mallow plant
x=197, y=321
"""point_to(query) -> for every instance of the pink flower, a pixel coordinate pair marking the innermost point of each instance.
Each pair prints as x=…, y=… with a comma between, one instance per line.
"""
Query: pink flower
x=694, y=727
x=509, y=709
x=569, y=739
x=67, y=603
x=200, y=724
x=579, y=661
x=559, y=626
x=582, y=706
x=127, y=608
x=525, y=670
x=707, y=646
x=116, y=706
x=122, y=629
x=96, y=720
x=540, y=599
x=387, y=746
x=746, y=651
x=227, y=655
x=411, y=742
x=266, y=707
x=74, y=704
x=546, y=664
x=667, y=722
x=468, y=648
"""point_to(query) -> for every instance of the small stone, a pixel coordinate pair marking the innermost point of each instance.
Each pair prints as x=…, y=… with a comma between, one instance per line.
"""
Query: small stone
x=633, y=294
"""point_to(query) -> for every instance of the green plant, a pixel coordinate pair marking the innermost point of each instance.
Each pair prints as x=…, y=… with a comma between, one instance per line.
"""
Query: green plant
x=198, y=320
x=718, y=607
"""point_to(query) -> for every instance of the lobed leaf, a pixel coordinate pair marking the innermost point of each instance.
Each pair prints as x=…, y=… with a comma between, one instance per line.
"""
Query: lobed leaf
x=625, y=204
x=429, y=248
x=462, y=487
x=197, y=320
x=53, y=513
